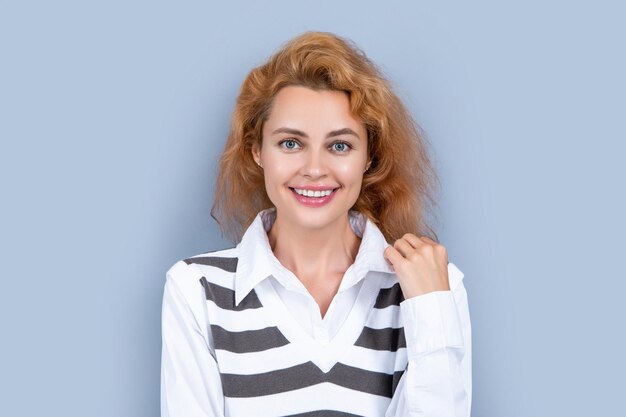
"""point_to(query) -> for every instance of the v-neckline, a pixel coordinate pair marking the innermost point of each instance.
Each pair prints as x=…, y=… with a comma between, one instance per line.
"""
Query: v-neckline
x=323, y=355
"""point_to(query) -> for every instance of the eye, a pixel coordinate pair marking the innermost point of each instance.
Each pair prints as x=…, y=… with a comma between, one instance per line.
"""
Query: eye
x=290, y=143
x=338, y=147
x=342, y=147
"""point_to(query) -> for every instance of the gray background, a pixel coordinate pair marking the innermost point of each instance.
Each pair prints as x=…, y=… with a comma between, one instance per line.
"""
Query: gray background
x=113, y=115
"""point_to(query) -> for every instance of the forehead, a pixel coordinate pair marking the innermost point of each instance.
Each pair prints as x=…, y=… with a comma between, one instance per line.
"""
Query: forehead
x=302, y=105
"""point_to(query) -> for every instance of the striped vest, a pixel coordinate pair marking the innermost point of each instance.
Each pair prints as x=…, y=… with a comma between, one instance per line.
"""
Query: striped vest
x=269, y=366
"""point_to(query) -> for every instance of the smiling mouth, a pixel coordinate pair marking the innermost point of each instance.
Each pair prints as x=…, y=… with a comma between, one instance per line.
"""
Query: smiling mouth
x=302, y=195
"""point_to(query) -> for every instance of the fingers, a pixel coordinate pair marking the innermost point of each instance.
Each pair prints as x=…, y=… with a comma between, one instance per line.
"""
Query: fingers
x=415, y=241
x=410, y=244
x=429, y=240
x=394, y=257
x=404, y=247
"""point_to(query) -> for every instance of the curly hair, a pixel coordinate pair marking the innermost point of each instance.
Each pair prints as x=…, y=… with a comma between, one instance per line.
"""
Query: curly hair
x=398, y=189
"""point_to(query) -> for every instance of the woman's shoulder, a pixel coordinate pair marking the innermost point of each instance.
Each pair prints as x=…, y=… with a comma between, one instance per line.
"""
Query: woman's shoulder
x=220, y=258
x=203, y=266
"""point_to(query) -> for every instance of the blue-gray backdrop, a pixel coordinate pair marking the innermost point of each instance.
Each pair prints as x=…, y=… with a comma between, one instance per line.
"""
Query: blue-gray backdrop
x=113, y=114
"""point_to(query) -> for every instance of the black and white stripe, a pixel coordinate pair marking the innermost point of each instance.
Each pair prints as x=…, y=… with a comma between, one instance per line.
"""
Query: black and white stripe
x=261, y=369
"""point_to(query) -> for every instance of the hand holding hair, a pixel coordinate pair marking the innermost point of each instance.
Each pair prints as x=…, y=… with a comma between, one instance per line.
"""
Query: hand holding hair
x=421, y=265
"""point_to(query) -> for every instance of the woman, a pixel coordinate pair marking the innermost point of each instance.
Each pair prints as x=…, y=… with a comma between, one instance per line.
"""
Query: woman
x=313, y=313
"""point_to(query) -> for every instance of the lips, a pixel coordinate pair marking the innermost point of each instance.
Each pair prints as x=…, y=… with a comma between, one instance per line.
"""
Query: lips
x=314, y=201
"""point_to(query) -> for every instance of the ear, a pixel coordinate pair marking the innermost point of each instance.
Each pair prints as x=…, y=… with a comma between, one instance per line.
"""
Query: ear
x=256, y=153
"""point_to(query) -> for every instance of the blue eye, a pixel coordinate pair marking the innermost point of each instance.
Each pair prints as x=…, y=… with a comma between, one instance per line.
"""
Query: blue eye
x=288, y=141
x=344, y=146
x=338, y=147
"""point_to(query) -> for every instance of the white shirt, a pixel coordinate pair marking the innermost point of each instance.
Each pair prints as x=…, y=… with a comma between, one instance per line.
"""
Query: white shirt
x=437, y=377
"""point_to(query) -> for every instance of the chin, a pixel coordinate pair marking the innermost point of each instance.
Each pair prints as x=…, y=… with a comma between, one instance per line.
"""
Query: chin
x=317, y=218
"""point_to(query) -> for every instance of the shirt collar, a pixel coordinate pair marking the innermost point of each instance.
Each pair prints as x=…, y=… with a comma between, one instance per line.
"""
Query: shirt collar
x=256, y=261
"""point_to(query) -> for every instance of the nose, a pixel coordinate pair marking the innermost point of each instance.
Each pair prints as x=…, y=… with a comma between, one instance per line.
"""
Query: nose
x=315, y=164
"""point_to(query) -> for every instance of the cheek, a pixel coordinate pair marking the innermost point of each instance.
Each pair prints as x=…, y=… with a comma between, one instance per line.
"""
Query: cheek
x=279, y=162
x=278, y=171
x=350, y=171
x=277, y=175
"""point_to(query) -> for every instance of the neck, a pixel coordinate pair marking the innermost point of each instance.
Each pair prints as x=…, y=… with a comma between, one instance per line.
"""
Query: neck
x=314, y=253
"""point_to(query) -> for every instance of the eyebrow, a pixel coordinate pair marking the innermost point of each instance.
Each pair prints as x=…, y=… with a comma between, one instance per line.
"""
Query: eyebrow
x=338, y=132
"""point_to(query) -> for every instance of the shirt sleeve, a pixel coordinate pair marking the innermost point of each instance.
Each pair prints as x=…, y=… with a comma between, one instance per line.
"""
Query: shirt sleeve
x=438, y=378
x=190, y=379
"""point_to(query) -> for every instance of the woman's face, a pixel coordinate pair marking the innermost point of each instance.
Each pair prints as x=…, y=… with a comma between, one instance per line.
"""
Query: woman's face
x=312, y=141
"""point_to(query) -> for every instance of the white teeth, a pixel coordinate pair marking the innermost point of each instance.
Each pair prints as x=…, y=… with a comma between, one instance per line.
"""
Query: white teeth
x=310, y=193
